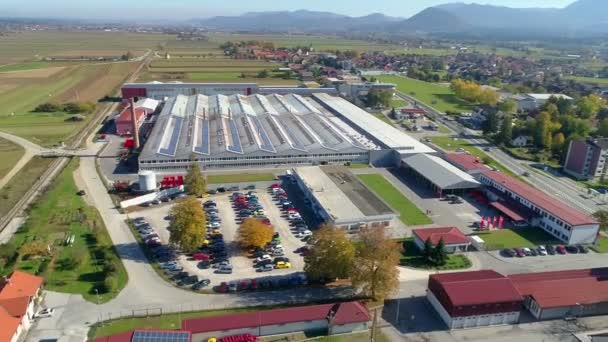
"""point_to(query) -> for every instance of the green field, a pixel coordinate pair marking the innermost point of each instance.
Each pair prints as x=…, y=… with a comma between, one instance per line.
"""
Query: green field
x=80, y=268
x=590, y=80
x=435, y=95
x=26, y=66
x=601, y=245
x=451, y=144
x=412, y=257
x=409, y=213
x=10, y=153
x=12, y=192
x=507, y=238
x=35, y=45
x=317, y=42
x=240, y=178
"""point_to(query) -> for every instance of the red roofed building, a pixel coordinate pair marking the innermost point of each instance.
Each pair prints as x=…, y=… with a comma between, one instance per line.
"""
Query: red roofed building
x=18, y=299
x=453, y=238
x=553, y=295
x=123, y=122
x=467, y=163
x=335, y=318
x=474, y=299
x=556, y=218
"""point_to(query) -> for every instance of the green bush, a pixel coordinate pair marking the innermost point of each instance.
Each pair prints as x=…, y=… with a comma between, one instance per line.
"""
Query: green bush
x=110, y=284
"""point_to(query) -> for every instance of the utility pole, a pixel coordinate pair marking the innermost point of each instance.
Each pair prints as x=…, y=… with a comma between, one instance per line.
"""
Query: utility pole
x=372, y=336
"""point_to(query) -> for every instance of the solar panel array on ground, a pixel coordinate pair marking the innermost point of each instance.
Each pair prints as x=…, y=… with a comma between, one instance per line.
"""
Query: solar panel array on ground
x=160, y=336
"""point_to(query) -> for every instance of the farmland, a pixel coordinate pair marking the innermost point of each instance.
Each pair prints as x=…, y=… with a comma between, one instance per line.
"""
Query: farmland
x=439, y=96
x=35, y=45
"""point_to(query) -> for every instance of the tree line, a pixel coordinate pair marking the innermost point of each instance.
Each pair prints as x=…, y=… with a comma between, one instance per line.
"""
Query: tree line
x=68, y=107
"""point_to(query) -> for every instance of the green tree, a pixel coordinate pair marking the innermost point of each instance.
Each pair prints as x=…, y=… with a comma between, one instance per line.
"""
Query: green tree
x=490, y=125
x=377, y=97
x=253, y=233
x=440, y=256
x=263, y=74
x=542, y=130
x=589, y=106
x=506, y=130
x=188, y=225
x=375, y=271
x=331, y=254
x=427, y=252
x=194, y=182
x=508, y=106
x=602, y=217
x=602, y=130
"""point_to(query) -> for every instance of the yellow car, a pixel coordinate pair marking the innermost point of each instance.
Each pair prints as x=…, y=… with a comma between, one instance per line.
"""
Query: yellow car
x=213, y=339
x=205, y=243
x=282, y=264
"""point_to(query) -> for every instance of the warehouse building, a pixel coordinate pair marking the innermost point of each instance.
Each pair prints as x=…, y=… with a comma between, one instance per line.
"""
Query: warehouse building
x=474, y=299
x=339, y=198
x=257, y=131
x=438, y=174
x=521, y=201
x=564, y=294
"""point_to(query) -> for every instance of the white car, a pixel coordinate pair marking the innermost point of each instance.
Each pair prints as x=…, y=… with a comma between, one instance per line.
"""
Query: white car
x=542, y=250
x=262, y=258
x=45, y=313
x=294, y=216
x=304, y=234
x=213, y=225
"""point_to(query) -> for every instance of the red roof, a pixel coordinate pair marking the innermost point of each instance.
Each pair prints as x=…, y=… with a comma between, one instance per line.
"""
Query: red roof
x=513, y=215
x=16, y=307
x=465, y=161
x=413, y=110
x=476, y=288
x=540, y=199
x=8, y=324
x=450, y=235
x=21, y=284
x=344, y=313
x=125, y=115
x=564, y=288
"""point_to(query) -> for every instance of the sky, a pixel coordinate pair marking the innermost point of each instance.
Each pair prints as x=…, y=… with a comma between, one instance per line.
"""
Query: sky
x=188, y=9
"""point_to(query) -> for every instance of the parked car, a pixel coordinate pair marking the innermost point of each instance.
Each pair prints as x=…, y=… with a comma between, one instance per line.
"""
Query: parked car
x=250, y=187
x=280, y=259
x=266, y=268
x=542, y=250
x=508, y=252
x=560, y=249
x=188, y=281
x=201, y=284
x=519, y=252
x=582, y=249
x=205, y=264
x=572, y=249
x=233, y=188
x=551, y=250
x=224, y=270
x=45, y=313
x=201, y=256
x=282, y=264
x=212, y=192
x=533, y=252
x=221, y=189
x=263, y=257
x=527, y=251
x=304, y=234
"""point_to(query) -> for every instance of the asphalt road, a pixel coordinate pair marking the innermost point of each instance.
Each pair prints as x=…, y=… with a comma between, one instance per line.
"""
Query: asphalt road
x=559, y=186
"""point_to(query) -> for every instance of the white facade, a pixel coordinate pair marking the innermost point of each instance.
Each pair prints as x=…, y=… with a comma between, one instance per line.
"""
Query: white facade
x=520, y=141
x=501, y=318
x=449, y=248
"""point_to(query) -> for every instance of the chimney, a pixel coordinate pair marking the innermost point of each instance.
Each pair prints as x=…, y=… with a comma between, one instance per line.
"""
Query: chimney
x=135, y=130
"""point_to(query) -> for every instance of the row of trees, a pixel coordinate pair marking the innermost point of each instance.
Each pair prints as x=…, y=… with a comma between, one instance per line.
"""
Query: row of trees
x=370, y=261
x=69, y=107
x=379, y=98
x=474, y=93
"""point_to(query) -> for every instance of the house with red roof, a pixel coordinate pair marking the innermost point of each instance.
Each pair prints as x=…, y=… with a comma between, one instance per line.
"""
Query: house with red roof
x=336, y=318
x=550, y=214
x=19, y=294
x=124, y=121
x=474, y=299
x=453, y=238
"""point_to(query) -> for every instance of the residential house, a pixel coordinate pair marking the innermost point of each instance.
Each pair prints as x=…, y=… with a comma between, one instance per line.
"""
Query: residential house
x=453, y=238
x=521, y=141
x=19, y=295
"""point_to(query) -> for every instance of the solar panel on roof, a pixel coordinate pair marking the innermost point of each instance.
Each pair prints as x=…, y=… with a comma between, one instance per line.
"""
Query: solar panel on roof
x=236, y=140
x=171, y=148
x=203, y=146
x=160, y=336
x=266, y=143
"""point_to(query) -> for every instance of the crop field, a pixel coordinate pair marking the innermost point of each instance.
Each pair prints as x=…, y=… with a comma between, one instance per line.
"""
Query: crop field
x=439, y=96
x=317, y=42
x=35, y=45
x=85, y=82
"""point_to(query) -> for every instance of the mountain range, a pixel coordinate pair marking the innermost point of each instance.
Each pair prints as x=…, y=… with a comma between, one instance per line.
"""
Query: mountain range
x=581, y=18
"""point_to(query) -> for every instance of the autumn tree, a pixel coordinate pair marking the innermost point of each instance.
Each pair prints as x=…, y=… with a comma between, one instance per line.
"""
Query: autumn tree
x=188, y=224
x=195, y=183
x=558, y=143
x=473, y=92
x=254, y=233
x=375, y=271
x=331, y=254
x=589, y=106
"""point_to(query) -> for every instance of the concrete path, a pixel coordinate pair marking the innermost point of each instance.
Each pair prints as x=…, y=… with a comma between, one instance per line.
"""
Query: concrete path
x=31, y=150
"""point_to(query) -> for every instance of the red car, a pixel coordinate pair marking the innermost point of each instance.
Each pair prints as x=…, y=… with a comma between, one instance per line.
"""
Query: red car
x=560, y=249
x=292, y=210
x=240, y=199
x=201, y=256
x=519, y=252
x=275, y=186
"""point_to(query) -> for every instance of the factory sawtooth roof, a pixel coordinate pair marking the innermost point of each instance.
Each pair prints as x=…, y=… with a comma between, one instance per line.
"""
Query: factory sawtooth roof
x=228, y=126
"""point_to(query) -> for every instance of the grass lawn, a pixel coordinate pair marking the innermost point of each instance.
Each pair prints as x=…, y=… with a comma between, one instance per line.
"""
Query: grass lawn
x=601, y=245
x=408, y=211
x=80, y=268
x=449, y=144
x=413, y=258
x=397, y=103
x=240, y=178
x=358, y=337
x=14, y=190
x=358, y=166
x=10, y=153
x=435, y=95
x=590, y=80
x=508, y=238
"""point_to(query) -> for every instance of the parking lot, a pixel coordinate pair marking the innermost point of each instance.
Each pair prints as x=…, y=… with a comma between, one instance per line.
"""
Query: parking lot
x=241, y=262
